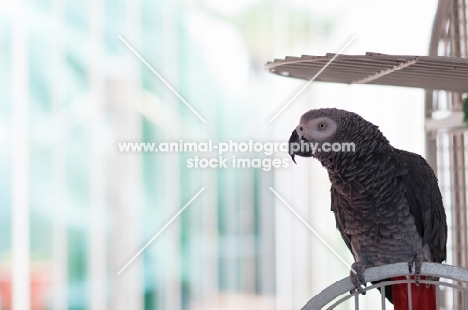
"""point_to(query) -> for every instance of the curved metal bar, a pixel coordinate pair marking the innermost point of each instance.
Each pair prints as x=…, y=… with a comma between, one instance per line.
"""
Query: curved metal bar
x=384, y=272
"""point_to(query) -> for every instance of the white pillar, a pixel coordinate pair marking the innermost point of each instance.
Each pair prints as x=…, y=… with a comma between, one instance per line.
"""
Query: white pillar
x=283, y=218
x=169, y=253
x=59, y=170
x=97, y=250
x=131, y=183
x=20, y=206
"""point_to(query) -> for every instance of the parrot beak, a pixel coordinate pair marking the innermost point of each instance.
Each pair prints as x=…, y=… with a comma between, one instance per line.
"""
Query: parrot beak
x=295, y=143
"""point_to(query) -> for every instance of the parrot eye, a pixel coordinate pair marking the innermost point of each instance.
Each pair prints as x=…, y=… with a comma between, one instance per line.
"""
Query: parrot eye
x=322, y=125
x=300, y=128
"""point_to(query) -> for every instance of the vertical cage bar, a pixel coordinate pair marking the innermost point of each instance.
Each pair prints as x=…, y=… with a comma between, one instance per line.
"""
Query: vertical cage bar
x=410, y=297
x=382, y=297
x=458, y=192
x=465, y=304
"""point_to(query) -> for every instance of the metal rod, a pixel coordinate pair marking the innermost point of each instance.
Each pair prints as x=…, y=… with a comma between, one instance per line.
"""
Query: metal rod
x=356, y=302
x=382, y=294
x=458, y=193
x=410, y=297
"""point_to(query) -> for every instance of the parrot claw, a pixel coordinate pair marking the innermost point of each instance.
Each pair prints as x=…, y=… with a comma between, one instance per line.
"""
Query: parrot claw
x=357, y=278
x=417, y=261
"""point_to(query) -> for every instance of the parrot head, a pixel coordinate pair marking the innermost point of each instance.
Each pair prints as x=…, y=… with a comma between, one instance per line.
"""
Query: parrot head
x=320, y=129
x=315, y=127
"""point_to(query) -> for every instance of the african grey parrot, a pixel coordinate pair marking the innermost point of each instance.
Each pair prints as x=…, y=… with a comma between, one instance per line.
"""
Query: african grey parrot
x=386, y=201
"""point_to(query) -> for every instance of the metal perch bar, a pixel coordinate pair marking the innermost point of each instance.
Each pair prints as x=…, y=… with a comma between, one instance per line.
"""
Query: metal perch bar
x=345, y=285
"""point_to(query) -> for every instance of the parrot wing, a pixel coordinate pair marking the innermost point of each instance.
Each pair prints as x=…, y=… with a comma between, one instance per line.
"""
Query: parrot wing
x=425, y=201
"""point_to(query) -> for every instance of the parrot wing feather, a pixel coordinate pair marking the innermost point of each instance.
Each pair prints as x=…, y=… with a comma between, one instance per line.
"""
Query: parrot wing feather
x=425, y=201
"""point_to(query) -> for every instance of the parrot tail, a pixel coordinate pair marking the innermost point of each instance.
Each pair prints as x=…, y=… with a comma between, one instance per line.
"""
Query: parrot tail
x=423, y=296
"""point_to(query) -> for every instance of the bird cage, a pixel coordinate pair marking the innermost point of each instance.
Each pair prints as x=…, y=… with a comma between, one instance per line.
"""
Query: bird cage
x=446, y=132
x=444, y=76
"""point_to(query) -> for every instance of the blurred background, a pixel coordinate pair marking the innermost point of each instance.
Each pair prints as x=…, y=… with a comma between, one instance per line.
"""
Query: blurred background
x=74, y=210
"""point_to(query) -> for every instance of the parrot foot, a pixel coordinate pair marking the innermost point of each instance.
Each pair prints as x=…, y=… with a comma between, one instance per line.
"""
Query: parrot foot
x=417, y=260
x=357, y=277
